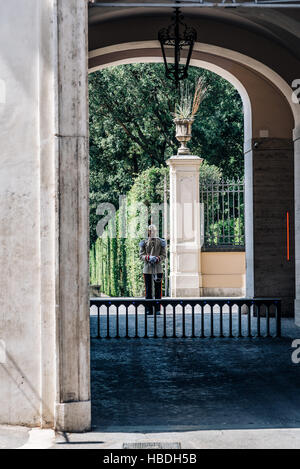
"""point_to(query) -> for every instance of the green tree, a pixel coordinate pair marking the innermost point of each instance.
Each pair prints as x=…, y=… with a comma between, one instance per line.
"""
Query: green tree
x=131, y=128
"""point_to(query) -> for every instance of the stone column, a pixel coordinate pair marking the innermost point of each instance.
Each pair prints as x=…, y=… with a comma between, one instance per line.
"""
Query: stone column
x=73, y=406
x=273, y=198
x=185, y=244
x=297, y=222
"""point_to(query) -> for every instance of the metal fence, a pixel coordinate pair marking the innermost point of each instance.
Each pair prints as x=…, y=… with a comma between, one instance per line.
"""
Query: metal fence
x=190, y=318
x=223, y=213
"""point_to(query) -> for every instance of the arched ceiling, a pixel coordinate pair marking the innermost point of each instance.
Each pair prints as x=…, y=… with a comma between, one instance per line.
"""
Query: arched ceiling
x=281, y=25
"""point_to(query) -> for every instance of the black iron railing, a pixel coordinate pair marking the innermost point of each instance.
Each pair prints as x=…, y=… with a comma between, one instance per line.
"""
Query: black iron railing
x=190, y=318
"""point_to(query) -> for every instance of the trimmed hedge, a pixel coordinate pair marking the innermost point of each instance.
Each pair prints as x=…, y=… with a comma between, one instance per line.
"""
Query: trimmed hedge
x=114, y=261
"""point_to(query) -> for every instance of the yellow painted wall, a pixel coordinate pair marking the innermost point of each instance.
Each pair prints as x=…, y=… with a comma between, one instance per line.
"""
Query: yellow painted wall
x=223, y=273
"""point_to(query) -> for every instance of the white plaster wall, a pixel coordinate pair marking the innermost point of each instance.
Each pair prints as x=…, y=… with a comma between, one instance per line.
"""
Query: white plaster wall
x=19, y=214
x=44, y=307
x=28, y=210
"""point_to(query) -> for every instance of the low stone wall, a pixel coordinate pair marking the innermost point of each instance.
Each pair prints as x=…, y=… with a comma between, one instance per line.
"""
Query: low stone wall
x=223, y=273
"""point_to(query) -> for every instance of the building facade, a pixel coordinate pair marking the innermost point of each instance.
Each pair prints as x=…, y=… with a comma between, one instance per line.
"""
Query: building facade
x=47, y=50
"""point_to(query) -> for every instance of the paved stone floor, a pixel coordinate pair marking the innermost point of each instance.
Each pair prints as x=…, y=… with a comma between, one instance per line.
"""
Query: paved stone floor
x=204, y=439
x=13, y=437
x=158, y=385
x=211, y=393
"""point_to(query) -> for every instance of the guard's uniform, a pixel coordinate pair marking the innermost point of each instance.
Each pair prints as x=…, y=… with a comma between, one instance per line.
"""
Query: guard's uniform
x=153, y=252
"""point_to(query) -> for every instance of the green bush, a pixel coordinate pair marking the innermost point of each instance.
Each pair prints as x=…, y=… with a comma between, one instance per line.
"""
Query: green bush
x=114, y=261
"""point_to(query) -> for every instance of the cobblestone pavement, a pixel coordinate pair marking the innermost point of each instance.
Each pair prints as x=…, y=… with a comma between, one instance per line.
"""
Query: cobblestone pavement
x=168, y=385
x=201, y=393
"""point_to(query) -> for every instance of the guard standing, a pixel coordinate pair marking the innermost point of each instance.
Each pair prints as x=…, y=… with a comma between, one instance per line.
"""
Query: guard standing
x=153, y=252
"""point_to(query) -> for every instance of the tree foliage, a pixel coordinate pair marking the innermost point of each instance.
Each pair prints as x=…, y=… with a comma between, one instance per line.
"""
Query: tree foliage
x=114, y=261
x=132, y=129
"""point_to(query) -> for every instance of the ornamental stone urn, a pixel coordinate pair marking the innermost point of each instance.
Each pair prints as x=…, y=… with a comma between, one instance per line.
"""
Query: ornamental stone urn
x=183, y=134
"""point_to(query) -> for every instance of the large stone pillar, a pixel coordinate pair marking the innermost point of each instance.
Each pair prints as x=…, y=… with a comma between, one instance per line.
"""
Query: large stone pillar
x=73, y=406
x=297, y=222
x=44, y=304
x=23, y=320
x=185, y=245
x=273, y=198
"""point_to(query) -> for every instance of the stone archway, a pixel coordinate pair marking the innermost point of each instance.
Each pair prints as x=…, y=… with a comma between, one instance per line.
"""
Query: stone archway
x=263, y=93
x=256, y=88
x=257, y=81
x=247, y=109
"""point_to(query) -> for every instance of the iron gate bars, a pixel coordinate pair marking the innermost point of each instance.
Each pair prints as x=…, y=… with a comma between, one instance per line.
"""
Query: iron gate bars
x=223, y=213
x=116, y=318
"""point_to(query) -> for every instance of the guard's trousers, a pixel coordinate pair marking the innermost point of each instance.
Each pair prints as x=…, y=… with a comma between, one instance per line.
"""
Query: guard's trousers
x=149, y=280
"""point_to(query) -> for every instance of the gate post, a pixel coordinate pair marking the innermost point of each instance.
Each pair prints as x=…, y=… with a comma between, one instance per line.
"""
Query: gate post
x=185, y=246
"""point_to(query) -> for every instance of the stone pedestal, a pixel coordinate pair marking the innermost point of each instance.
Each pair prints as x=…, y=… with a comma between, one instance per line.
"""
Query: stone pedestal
x=185, y=244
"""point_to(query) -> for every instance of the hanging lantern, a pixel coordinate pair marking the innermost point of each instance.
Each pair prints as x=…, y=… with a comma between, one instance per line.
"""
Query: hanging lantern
x=178, y=36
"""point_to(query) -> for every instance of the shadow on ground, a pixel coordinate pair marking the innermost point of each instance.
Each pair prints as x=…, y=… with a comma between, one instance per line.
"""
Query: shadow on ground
x=195, y=384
